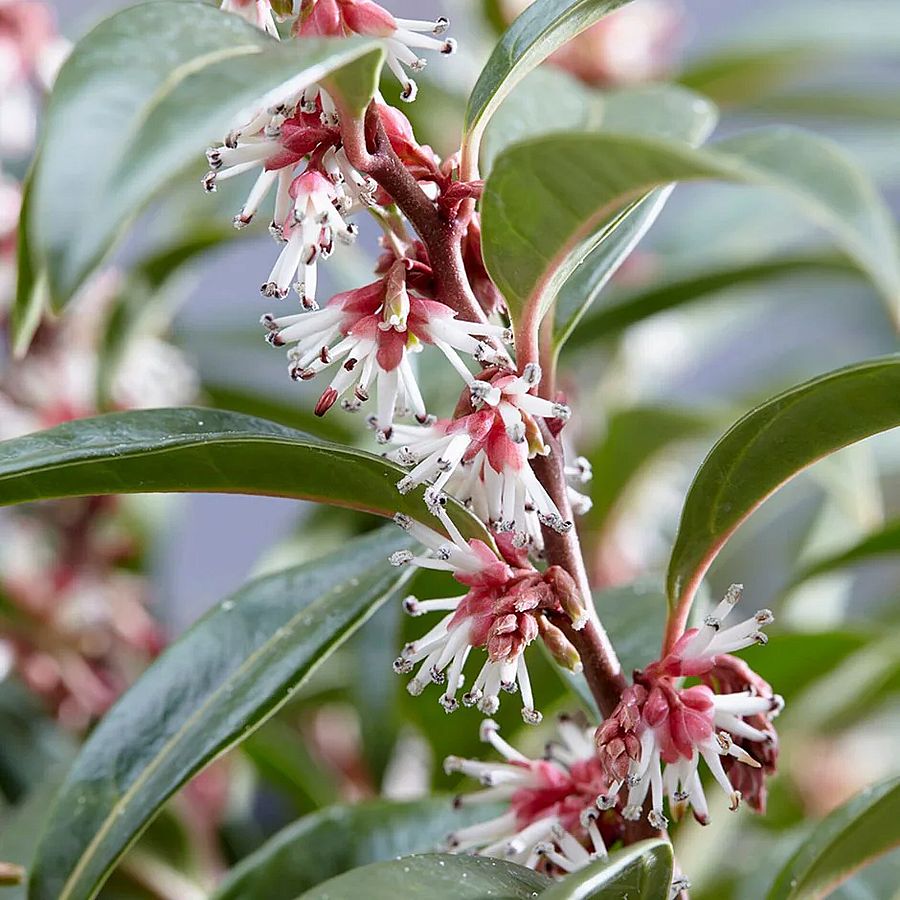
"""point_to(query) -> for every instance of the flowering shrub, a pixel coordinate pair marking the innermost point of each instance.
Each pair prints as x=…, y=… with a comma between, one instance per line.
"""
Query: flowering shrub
x=489, y=255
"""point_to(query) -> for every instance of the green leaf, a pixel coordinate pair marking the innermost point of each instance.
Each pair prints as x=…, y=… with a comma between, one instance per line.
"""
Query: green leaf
x=434, y=875
x=654, y=110
x=266, y=406
x=31, y=285
x=550, y=101
x=634, y=616
x=341, y=838
x=642, y=871
x=770, y=445
x=885, y=542
x=535, y=239
x=209, y=690
x=618, y=312
x=206, y=450
x=542, y=28
x=136, y=103
x=634, y=437
x=852, y=836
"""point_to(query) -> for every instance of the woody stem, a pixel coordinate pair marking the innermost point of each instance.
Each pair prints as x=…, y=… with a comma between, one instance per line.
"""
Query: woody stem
x=369, y=150
x=442, y=236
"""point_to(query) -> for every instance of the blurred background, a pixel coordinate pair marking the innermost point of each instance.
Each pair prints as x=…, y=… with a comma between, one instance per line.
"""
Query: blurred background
x=659, y=391
x=200, y=560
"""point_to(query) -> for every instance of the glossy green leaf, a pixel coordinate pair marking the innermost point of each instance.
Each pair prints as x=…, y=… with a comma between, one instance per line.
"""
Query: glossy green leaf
x=549, y=100
x=331, y=841
x=611, y=316
x=885, y=542
x=654, y=110
x=434, y=875
x=535, y=239
x=770, y=445
x=31, y=285
x=542, y=28
x=266, y=406
x=642, y=871
x=206, y=450
x=210, y=689
x=854, y=834
x=138, y=100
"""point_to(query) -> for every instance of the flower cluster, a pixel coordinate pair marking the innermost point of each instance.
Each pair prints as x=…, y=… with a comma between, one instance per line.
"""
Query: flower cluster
x=371, y=332
x=660, y=723
x=554, y=821
x=482, y=455
x=505, y=608
x=402, y=37
x=566, y=809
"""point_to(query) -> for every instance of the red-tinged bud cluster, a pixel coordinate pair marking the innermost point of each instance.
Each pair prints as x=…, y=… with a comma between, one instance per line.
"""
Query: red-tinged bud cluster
x=342, y=18
x=725, y=720
x=618, y=744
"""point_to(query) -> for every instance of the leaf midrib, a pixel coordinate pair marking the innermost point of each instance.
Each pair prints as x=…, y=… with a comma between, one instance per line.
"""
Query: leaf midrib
x=173, y=742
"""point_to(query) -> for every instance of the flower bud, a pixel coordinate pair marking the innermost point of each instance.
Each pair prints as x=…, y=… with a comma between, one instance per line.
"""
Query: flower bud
x=559, y=646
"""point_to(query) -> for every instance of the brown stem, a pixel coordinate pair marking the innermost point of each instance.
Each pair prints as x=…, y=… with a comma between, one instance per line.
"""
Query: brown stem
x=443, y=238
x=602, y=669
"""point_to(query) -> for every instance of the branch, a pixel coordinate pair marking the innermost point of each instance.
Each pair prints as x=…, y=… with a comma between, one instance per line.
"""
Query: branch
x=602, y=669
x=442, y=237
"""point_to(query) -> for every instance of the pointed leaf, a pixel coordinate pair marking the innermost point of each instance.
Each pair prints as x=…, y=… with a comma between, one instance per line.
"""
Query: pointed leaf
x=205, y=450
x=768, y=447
x=335, y=840
x=535, y=239
x=31, y=285
x=434, y=875
x=139, y=99
x=852, y=836
x=642, y=871
x=542, y=28
x=656, y=110
x=210, y=689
